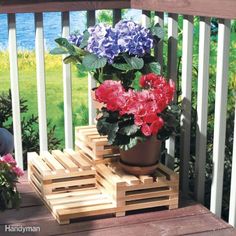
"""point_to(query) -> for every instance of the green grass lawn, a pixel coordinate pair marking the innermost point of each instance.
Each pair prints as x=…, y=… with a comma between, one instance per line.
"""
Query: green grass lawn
x=54, y=89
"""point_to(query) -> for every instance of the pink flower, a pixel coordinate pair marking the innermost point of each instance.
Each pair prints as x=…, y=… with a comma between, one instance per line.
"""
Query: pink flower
x=9, y=159
x=144, y=105
x=146, y=130
x=18, y=171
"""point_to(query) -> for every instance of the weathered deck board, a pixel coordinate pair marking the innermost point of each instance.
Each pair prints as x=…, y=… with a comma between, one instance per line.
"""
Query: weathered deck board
x=190, y=219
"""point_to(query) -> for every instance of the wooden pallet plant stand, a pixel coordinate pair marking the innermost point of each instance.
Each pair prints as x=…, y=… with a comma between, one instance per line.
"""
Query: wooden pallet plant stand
x=133, y=193
x=66, y=183
x=94, y=146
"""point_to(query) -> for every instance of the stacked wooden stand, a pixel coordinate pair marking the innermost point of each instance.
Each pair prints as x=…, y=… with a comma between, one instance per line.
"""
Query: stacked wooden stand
x=89, y=181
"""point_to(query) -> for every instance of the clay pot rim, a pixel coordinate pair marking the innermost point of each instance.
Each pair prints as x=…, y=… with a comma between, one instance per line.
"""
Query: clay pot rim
x=138, y=170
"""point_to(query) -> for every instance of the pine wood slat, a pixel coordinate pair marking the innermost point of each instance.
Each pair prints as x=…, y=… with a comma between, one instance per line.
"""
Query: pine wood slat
x=52, y=173
x=134, y=193
x=96, y=147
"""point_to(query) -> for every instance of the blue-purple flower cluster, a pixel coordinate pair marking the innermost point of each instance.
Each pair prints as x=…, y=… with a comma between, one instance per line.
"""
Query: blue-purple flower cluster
x=133, y=38
x=75, y=39
x=103, y=42
x=108, y=42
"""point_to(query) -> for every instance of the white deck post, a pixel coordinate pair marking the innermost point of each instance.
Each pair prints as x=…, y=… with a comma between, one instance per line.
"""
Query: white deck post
x=186, y=102
x=232, y=205
x=172, y=74
x=220, y=115
x=67, y=87
x=15, y=89
x=39, y=48
x=91, y=82
x=202, y=111
x=158, y=49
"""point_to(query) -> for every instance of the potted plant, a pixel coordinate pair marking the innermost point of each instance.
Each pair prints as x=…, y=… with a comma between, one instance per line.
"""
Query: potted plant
x=137, y=120
x=9, y=173
x=116, y=57
x=113, y=53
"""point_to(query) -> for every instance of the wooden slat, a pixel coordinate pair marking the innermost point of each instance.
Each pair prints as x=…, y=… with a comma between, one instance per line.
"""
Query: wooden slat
x=202, y=105
x=217, y=8
x=131, y=179
x=53, y=162
x=232, y=205
x=76, y=157
x=64, y=160
x=108, y=174
x=15, y=89
x=158, y=49
x=52, y=197
x=63, y=202
x=67, y=87
x=91, y=20
x=220, y=115
x=42, y=167
x=39, y=50
x=172, y=74
x=116, y=16
x=186, y=102
x=14, y=6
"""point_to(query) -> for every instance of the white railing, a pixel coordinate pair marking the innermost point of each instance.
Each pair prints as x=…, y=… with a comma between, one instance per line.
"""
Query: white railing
x=186, y=84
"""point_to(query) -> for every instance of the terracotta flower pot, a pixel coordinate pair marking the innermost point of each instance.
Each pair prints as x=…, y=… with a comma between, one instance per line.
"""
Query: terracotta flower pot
x=143, y=158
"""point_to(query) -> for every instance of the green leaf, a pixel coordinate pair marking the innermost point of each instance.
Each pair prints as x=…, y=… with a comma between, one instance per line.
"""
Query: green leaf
x=69, y=59
x=82, y=68
x=122, y=66
x=58, y=50
x=85, y=39
x=158, y=31
x=109, y=129
x=129, y=130
x=135, y=62
x=133, y=142
x=92, y=62
x=155, y=67
x=63, y=42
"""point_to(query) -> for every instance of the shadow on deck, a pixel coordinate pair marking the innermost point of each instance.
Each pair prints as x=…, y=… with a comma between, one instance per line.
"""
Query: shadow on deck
x=190, y=219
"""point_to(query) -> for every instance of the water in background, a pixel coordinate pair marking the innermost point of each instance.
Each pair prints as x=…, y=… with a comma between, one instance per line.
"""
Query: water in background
x=52, y=27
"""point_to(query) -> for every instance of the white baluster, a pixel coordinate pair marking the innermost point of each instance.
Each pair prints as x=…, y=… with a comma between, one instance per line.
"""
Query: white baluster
x=67, y=87
x=39, y=48
x=232, y=205
x=202, y=105
x=15, y=89
x=158, y=49
x=91, y=82
x=220, y=115
x=116, y=16
x=186, y=102
x=172, y=74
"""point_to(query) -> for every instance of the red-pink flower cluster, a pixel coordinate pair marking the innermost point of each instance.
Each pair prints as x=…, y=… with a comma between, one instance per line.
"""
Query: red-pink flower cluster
x=10, y=161
x=145, y=105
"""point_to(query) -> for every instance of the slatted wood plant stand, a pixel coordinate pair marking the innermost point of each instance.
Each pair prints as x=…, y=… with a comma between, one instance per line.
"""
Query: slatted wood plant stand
x=133, y=193
x=94, y=146
x=67, y=185
x=86, y=182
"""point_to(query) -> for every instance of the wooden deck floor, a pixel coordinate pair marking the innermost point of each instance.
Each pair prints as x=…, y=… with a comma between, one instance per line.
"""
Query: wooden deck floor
x=189, y=219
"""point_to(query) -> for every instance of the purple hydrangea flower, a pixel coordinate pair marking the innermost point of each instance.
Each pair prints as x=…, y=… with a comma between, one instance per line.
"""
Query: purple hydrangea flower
x=133, y=38
x=103, y=42
x=75, y=39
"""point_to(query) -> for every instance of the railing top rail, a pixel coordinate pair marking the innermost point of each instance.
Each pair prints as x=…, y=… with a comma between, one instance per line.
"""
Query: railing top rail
x=214, y=8
x=24, y=6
